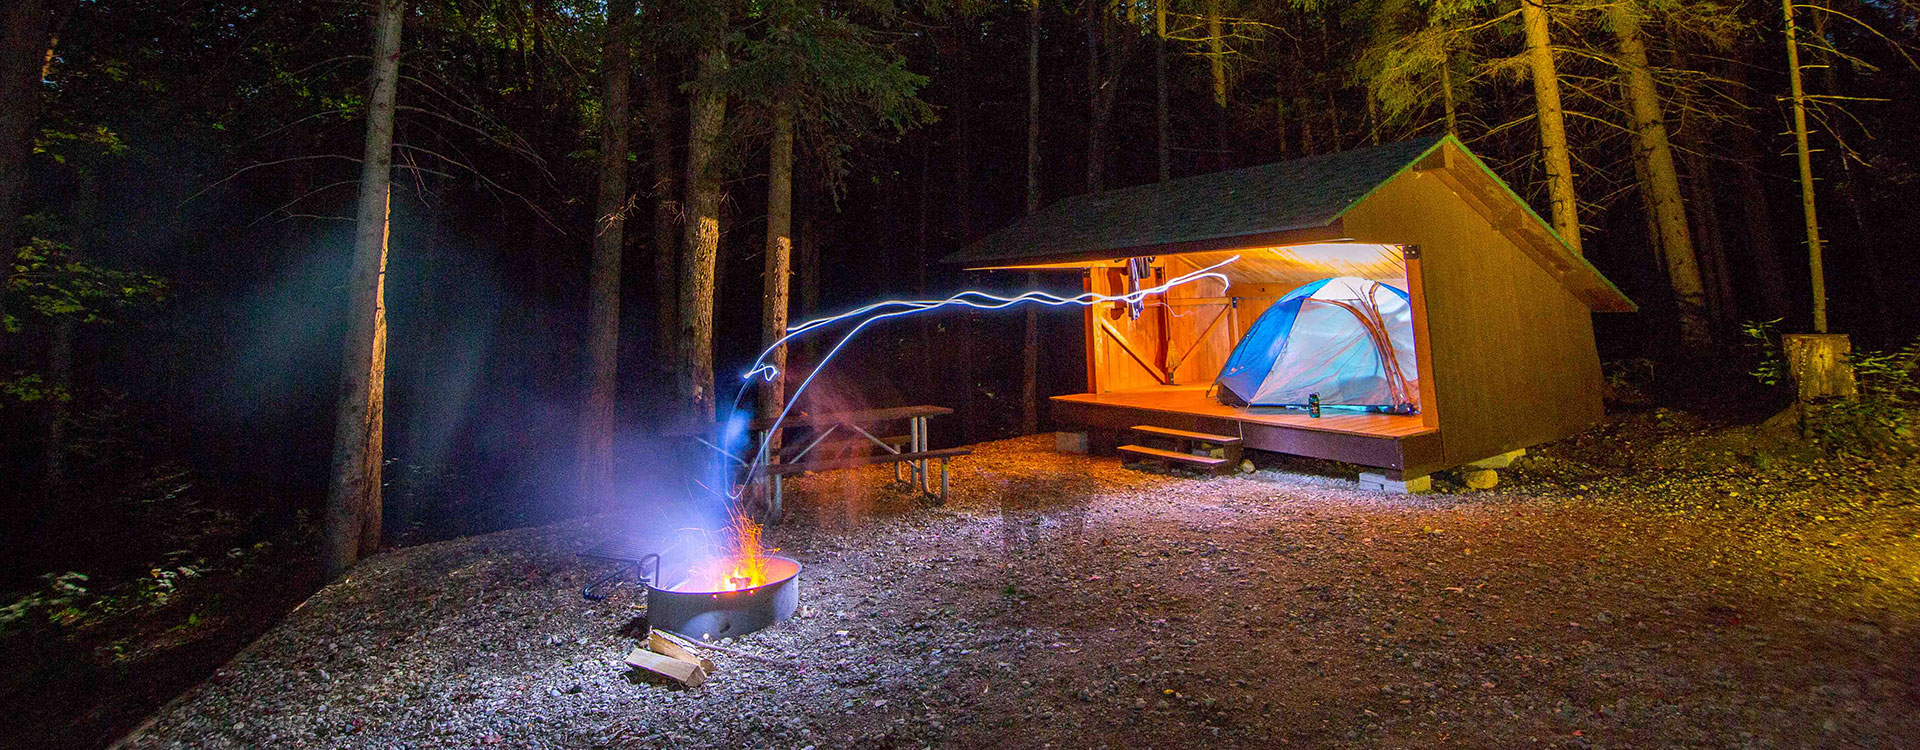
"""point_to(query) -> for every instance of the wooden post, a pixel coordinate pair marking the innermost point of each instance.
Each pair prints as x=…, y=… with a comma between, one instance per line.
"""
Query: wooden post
x=1818, y=363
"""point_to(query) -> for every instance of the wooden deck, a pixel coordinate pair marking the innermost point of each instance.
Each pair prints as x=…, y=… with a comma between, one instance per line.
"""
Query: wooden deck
x=1398, y=445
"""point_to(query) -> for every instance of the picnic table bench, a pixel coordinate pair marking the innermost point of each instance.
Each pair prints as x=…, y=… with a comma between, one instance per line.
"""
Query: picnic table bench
x=909, y=452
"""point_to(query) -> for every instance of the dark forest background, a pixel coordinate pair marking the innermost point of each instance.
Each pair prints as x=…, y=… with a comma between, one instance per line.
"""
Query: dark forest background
x=211, y=146
x=195, y=163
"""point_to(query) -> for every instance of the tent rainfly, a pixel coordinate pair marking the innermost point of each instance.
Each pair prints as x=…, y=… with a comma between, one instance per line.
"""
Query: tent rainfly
x=1335, y=342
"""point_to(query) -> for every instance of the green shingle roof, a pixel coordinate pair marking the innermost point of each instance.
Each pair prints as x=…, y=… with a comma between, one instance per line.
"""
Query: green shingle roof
x=1285, y=196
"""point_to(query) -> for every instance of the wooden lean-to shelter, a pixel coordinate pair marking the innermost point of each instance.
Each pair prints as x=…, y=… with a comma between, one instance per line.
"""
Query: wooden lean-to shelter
x=1498, y=305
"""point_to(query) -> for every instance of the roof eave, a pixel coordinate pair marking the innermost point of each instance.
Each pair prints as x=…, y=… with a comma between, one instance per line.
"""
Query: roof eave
x=1329, y=232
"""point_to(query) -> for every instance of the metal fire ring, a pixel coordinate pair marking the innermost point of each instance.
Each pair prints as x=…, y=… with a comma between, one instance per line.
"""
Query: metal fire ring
x=712, y=615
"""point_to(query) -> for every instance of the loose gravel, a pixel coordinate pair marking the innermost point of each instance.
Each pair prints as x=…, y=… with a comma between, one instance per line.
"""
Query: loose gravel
x=1063, y=601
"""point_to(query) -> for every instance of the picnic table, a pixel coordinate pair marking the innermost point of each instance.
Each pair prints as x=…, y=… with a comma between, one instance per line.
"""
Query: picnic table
x=906, y=453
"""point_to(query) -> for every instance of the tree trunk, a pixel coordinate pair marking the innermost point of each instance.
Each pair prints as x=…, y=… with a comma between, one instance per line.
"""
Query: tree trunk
x=1096, y=117
x=1446, y=94
x=1815, y=266
x=1553, y=126
x=352, y=518
x=1163, y=127
x=1764, y=249
x=1709, y=240
x=779, y=254
x=1663, y=189
x=807, y=245
x=666, y=215
x=23, y=49
x=1030, y=349
x=707, y=114
x=603, y=278
x=60, y=352
x=1217, y=68
x=59, y=405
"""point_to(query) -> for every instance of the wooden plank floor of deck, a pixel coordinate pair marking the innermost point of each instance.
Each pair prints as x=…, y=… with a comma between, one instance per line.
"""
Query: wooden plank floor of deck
x=1196, y=400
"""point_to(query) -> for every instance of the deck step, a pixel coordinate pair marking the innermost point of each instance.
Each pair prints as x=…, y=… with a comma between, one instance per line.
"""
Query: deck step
x=1168, y=432
x=1156, y=454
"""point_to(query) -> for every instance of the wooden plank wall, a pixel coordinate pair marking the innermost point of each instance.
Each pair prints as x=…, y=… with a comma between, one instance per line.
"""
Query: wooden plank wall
x=1192, y=310
x=1113, y=368
x=1513, y=356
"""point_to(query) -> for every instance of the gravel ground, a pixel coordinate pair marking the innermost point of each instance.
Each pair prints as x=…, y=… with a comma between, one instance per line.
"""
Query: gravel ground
x=1064, y=601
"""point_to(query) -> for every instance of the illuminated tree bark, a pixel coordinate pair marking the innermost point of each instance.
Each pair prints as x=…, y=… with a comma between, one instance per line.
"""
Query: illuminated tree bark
x=1534, y=20
x=352, y=518
x=1815, y=266
x=1663, y=180
x=707, y=114
x=603, y=277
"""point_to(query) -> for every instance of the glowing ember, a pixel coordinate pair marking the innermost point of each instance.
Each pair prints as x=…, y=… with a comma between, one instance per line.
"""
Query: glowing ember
x=743, y=566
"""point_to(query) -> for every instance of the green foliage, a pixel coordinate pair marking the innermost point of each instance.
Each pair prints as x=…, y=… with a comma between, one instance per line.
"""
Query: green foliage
x=1882, y=417
x=29, y=387
x=1760, y=341
x=58, y=598
x=45, y=278
x=1629, y=381
x=1885, y=414
x=842, y=79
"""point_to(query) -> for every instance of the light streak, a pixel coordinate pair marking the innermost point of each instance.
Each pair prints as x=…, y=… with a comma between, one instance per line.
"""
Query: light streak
x=974, y=299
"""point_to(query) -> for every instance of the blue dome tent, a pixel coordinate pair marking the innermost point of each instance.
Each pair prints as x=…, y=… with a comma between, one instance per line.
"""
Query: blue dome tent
x=1349, y=340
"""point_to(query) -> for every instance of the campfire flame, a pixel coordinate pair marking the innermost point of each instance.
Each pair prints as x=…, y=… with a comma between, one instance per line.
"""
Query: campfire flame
x=743, y=565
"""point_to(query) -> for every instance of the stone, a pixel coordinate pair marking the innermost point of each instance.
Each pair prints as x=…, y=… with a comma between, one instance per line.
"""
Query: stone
x=1501, y=461
x=1071, y=442
x=1246, y=467
x=1408, y=485
x=1480, y=479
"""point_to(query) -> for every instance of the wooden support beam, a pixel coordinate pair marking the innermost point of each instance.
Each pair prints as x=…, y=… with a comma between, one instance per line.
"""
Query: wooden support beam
x=1121, y=339
x=1197, y=340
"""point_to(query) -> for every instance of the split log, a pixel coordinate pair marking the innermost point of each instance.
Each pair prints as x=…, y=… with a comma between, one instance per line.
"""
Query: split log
x=684, y=641
x=686, y=673
x=664, y=646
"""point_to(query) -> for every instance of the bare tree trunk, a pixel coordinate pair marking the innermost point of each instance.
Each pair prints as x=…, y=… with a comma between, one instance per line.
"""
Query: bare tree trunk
x=1815, y=266
x=23, y=48
x=603, y=279
x=1848, y=190
x=1710, y=243
x=60, y=352
x=779, y=254
x=1764, y=250
x=59, y=406
x=1030, y=349
x=807, y=245
x=666, y=215
x=707, y=115
x=1163, y=127
x=1650, y=130
x=1217, y=67
x=1096, y=116
x=1553, y=127
x=1446, y=95
x=352, y=518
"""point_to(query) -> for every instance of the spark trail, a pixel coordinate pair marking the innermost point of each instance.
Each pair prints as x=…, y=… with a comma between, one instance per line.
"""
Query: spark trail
x=879, y=311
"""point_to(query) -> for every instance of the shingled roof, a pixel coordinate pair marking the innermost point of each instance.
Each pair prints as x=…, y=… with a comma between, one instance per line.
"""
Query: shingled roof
x=1203, y=212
